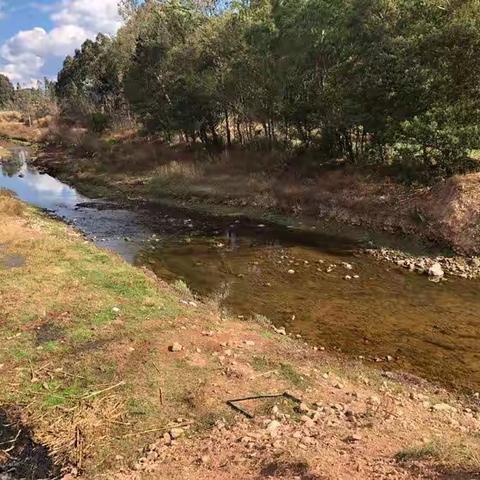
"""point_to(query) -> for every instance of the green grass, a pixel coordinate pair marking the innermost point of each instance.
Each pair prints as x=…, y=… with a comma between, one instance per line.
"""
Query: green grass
x=75, y=289
x=290, y=374
x=416, y=453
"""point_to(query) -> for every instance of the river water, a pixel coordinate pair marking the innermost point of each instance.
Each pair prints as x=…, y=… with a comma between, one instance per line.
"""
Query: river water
x=294, y=277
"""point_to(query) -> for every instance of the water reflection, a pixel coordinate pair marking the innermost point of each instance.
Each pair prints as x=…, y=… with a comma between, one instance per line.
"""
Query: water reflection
x=106, y=227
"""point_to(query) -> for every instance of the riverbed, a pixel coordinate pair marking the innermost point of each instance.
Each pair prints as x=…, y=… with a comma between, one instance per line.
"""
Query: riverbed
x=312, y=281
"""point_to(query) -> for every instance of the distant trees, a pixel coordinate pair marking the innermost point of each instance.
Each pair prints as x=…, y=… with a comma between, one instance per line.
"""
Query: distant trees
x=33, y=102
x=6, y=91
x=371, y=81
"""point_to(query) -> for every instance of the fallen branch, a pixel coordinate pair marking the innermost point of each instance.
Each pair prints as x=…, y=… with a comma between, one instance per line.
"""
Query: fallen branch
x=232, y=403
x=99, y=392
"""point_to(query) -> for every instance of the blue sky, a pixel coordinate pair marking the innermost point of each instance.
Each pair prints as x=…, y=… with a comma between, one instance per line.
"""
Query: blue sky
x=36, y=35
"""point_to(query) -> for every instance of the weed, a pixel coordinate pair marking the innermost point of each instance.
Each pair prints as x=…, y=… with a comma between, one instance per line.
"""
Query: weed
x=289, y=373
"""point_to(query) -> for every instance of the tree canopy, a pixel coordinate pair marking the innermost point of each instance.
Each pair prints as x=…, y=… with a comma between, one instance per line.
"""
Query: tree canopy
x=376, y=81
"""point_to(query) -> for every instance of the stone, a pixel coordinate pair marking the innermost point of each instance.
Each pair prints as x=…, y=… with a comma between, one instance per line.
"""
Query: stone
x=291, y=272
x=176, y=433
x=354, y=438
x=303, y=408
x=436, y=271
x=273, y=426
x=280, y=330
x=176, y=347
x=443, y=407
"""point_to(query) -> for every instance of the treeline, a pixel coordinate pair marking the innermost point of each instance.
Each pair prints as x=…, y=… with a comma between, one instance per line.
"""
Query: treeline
x=377, y=81
x=34, y=102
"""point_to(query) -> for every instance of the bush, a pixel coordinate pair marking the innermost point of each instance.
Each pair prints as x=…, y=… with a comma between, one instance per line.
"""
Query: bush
x=436, y=144
x=98, y=122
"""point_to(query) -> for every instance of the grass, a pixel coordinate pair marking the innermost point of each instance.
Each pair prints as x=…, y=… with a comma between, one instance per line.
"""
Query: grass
x=416, y=453
x=460, y=454
x=73, y=289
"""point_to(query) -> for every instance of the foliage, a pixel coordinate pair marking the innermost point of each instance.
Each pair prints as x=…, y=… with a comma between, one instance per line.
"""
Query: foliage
x=375, y=81
x=6, y=91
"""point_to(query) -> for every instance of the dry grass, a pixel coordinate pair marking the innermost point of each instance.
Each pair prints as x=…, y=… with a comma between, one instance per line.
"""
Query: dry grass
x=10, y=117
x=9, y=205
x=14, y=126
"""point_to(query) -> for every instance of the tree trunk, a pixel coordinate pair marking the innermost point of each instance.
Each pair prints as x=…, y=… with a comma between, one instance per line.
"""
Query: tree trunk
x=239, y=132
x=227, y=128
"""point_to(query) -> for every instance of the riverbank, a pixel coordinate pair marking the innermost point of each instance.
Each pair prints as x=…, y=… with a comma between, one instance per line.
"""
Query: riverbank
x=444, y=218
x=109, y=371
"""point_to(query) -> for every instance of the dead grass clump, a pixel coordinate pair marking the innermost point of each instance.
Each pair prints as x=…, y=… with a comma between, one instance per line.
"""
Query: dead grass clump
x=451, y=454
x=9, y=205
x=45, y=121
x=4, y=153
x=180, y=171
x=82, y=432
x=11, y=116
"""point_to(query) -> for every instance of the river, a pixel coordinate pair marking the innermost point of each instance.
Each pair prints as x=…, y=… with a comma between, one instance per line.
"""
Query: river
x=294, y=277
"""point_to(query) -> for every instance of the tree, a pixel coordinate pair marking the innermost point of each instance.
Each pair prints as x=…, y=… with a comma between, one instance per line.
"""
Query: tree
x=365, y=81
x=7, y=91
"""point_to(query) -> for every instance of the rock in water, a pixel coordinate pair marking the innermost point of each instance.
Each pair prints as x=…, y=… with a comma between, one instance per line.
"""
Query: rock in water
x=436, y=271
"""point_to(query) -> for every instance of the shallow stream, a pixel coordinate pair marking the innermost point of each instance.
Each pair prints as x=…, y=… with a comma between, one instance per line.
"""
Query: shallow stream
x=293, y=276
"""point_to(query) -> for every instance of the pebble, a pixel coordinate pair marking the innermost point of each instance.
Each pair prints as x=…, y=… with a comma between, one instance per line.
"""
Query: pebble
x=273, y=426
x=443, y=407
x=354, y=438
x=303, y=408
x=280, y=330
x=176, y=433
x=291, y=272
x=176, y=347
x=436, y=271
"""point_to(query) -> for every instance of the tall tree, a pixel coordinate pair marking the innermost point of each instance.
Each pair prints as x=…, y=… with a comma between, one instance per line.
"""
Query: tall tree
x=7, y=91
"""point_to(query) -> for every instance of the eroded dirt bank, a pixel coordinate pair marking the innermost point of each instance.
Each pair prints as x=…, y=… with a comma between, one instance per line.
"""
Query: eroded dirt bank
x=119, y=375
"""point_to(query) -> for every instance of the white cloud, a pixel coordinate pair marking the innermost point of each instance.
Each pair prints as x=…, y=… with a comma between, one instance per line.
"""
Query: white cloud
x=3, y=7
x=92, y=15
x=23, y=56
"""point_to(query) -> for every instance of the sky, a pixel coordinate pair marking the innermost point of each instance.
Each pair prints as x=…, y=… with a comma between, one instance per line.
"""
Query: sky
x=36, y=35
